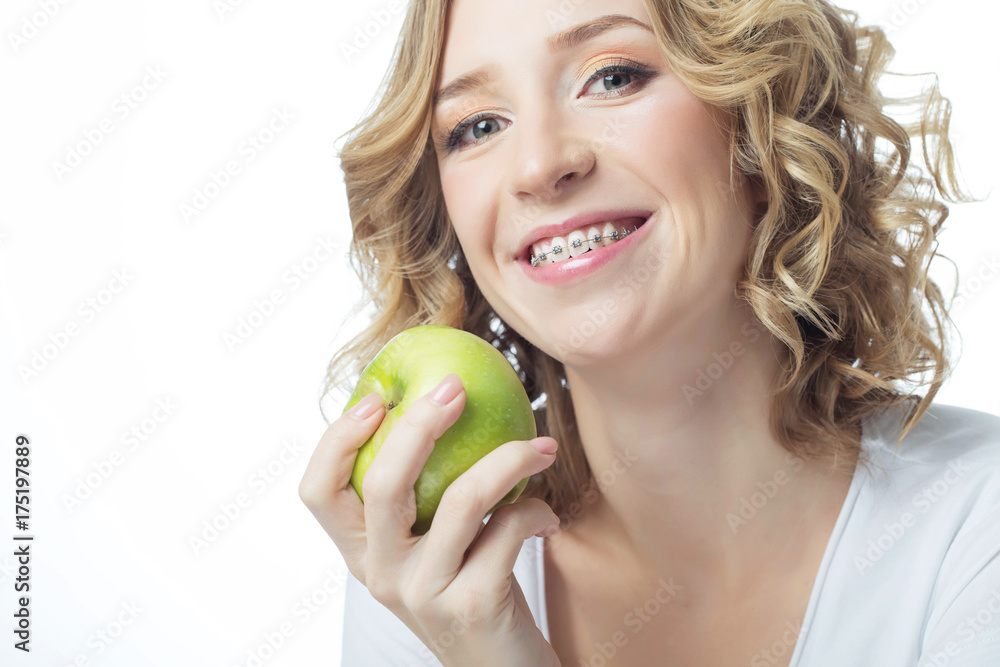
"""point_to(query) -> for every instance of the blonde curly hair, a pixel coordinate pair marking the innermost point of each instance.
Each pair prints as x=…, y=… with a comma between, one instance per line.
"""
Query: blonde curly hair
x=838, y=263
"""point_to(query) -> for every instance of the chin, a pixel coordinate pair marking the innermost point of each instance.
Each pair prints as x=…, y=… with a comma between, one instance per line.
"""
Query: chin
x=590, y=343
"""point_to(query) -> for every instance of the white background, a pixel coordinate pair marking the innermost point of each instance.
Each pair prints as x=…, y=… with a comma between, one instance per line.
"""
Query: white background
x=161, y=337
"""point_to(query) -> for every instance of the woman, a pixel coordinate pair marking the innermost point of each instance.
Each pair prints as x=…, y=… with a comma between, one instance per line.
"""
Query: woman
x=702, y=243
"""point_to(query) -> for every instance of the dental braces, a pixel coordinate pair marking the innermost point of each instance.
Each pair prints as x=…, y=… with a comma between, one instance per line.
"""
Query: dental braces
x=576, y=243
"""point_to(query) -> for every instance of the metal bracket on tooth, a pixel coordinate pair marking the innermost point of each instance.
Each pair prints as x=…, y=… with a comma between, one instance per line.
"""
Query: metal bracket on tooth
x=576, y=243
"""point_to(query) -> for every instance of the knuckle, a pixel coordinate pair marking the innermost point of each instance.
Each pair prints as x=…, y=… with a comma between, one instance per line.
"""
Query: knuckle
x=508, y=516
x=414, y=599
x=516, y=516
x=527, y=456
x=357, y=571
x=461, y=501
x=473, y=604
x=535, y=505
x=419, y=417
x=406, y=510
x=382, y=589
x=308, y=493
x=373, y=484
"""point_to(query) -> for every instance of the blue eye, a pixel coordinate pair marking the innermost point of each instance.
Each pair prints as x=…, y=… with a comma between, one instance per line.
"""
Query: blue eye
x=485, y=127
x=482, y=125
x=613, y=81
x=618, y=78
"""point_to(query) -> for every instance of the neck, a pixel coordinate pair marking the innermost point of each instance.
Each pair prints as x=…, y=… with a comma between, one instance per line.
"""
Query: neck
x=692, y=482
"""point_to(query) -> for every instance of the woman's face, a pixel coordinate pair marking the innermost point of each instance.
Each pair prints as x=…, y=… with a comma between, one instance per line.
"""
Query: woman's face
x=556, y=119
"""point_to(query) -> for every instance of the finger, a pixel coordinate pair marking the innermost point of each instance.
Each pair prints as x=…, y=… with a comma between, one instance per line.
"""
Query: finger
x=326, y=484
x=390, y=503
x=501, y=541
x=459, y=516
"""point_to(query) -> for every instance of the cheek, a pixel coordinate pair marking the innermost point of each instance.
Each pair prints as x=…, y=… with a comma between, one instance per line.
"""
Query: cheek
x=470, y=197
x=451, y=188
x=679, y=147
x=465, y=203
x=676, y=141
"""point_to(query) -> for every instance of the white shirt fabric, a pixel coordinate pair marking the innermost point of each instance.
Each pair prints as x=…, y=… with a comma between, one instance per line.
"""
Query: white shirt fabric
x=910, y=576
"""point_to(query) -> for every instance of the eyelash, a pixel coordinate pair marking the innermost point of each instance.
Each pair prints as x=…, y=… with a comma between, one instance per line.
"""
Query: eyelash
x=451, y=141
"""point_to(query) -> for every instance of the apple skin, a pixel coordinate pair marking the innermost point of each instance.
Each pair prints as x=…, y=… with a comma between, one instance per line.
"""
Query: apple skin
x=497, y=409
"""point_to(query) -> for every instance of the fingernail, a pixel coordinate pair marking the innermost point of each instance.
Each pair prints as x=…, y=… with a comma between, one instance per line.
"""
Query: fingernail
x=446, y=392
x=366, y=407
x=545, y=445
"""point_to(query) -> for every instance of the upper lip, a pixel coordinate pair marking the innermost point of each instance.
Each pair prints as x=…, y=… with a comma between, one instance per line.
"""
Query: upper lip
x=576, y=222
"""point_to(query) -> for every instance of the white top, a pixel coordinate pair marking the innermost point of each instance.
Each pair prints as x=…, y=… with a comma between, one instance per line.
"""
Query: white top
x=910, y=576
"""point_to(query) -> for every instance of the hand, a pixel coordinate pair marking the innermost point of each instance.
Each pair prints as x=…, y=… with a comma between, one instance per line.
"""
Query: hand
x=454, y=586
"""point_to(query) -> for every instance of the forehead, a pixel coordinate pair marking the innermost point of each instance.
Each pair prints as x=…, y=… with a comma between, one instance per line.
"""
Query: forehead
x=482, y=32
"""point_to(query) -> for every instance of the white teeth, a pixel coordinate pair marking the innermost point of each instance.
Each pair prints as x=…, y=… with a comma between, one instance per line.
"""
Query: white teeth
x=561, y=248
x=592, y=234
x=577, y=243
x=544, y=252
x=608, y=233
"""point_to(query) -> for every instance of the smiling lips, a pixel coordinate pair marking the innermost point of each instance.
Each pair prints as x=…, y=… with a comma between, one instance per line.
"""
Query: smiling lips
x=579, y=241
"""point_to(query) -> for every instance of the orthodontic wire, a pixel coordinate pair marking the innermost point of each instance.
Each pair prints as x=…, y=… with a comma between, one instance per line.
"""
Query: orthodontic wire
x=576, y=243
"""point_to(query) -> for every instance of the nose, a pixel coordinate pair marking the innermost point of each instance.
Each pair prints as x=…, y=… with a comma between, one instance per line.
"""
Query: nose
x=550, y=153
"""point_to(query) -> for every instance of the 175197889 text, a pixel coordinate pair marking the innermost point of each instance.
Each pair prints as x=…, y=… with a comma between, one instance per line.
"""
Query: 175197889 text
x=22, y=542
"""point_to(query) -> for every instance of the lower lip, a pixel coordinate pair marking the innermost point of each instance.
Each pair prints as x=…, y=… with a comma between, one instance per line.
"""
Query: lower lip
x=557, y=273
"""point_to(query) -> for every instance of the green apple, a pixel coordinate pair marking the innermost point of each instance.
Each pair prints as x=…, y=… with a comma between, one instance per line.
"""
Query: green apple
x=497, y=409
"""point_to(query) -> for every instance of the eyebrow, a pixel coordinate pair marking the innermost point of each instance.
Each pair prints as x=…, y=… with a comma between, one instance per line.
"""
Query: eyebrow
x=564, y=40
